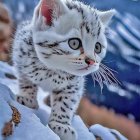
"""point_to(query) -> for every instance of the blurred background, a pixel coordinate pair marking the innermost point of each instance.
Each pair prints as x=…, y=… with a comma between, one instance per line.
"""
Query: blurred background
x=114, y=107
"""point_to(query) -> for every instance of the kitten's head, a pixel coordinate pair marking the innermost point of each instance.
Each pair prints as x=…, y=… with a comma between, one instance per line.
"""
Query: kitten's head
x=70, y=36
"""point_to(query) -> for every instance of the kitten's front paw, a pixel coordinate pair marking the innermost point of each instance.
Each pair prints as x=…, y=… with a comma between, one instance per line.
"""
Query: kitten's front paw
x=29, y=102
x=65, y=132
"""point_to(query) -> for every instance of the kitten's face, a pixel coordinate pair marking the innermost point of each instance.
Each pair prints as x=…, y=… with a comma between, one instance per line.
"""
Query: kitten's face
x=73, y=39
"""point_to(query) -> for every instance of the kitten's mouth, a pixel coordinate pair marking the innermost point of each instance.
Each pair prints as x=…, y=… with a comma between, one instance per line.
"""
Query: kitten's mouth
x=85, y=68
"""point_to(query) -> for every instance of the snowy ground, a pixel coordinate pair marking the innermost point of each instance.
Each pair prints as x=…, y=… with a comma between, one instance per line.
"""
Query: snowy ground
x=33, y=123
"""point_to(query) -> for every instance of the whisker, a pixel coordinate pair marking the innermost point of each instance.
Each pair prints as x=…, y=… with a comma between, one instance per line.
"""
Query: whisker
x=107, y=68
x=111, y=76
x=100, y=80
x=114, y=78
x=107, y=80
x=95, y=75
x=105, y=76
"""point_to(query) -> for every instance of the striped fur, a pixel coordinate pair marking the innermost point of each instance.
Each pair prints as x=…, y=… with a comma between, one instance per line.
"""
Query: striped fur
x=43, y=58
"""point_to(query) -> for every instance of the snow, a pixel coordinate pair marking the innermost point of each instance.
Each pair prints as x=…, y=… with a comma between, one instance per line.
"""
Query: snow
x=33, y=123
x=82, y=130
x=104, y=132
x=30, y=123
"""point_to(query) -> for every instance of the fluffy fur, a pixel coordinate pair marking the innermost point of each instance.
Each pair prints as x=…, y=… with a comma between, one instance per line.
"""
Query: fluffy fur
x=45, y=54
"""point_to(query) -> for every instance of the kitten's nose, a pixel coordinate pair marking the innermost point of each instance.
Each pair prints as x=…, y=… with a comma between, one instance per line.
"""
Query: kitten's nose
x=89, y=61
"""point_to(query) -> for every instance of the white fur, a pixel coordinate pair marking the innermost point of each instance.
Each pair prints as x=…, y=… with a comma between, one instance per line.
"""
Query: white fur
x=59, y=69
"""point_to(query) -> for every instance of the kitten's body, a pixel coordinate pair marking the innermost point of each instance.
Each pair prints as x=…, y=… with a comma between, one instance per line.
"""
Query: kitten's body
x=66, y=85
x=66, y=89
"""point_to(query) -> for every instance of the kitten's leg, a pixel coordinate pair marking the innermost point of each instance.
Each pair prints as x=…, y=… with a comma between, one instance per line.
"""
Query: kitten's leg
x=64, y=105
x=27, y=93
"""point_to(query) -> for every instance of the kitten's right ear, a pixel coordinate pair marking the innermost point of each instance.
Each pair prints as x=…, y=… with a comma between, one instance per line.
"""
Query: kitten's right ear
x=106, y=16
x=49, y=9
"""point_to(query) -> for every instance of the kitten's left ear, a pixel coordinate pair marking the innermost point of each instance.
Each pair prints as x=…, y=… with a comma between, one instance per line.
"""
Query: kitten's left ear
x=106, y=16
x=46, y=11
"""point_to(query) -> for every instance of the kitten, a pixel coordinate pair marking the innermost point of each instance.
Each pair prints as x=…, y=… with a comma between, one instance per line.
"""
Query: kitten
x=63, y=42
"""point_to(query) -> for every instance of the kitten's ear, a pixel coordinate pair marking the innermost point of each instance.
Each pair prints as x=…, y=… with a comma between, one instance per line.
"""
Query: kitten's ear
x=50, y=9
x=106, y=16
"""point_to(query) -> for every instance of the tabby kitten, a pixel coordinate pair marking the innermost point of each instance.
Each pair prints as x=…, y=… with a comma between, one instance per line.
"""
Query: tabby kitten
x=62, y=43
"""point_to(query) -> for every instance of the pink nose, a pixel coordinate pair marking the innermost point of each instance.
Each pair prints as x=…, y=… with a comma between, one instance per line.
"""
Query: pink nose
x=89, y=61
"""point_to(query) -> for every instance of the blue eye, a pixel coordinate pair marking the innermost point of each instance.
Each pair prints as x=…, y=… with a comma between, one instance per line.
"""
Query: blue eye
x=74, y=43
x=98, y=48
